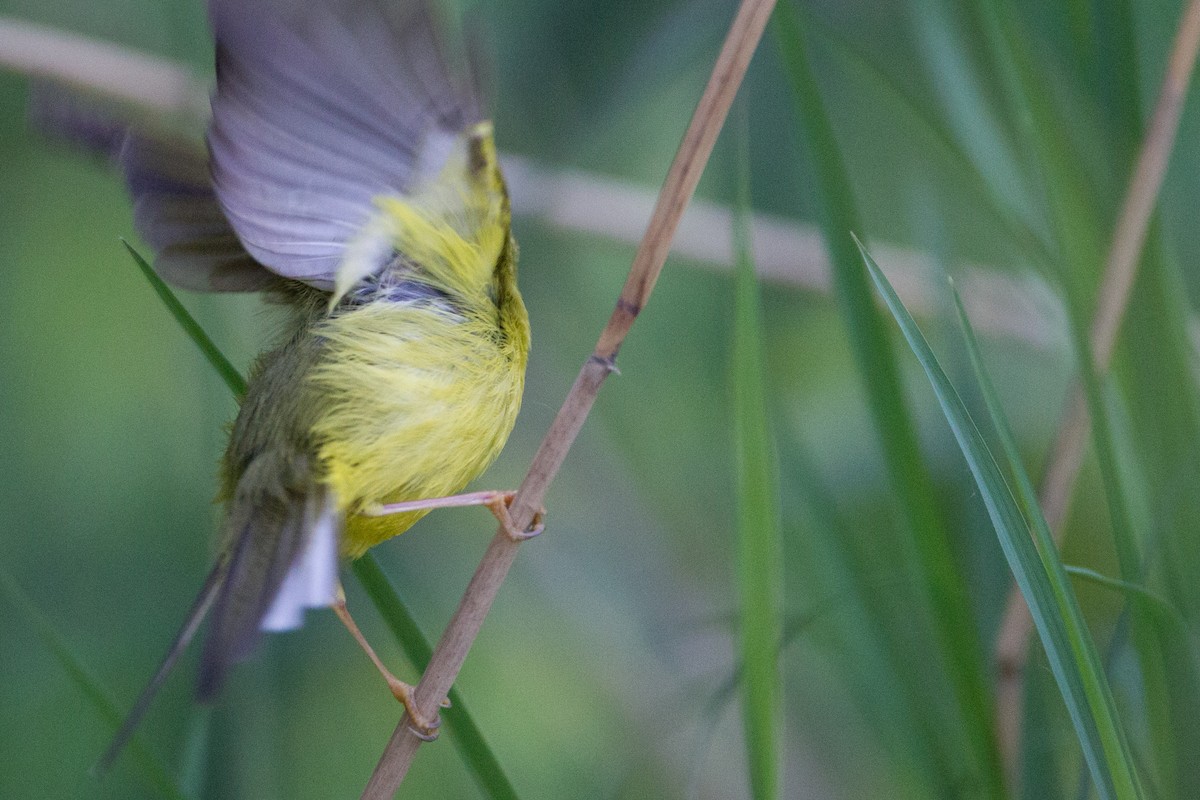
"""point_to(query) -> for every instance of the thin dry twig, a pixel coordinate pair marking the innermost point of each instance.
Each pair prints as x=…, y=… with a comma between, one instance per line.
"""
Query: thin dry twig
x=680, y=184
x=153, y=83
x=1066, y=454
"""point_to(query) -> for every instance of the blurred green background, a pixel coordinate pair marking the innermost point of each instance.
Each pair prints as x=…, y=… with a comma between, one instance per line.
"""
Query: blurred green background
x=603, y=669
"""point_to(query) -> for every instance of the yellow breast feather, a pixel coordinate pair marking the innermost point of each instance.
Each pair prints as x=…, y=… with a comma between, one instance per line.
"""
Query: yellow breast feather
x=418, y=398
x=416, y=402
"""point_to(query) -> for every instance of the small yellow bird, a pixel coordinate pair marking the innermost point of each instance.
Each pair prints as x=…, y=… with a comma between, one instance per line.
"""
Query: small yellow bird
x=352, y=176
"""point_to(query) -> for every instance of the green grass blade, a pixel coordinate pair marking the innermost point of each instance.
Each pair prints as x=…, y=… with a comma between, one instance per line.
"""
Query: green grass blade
x=1159, y=605
x=1070, y=650
x=456, y=720
x=957, y=639
x=1115, y=752
x=1163, y=402
x=153, y=772
x=759, y=573
x=1079, y=227
x=462, y=727
x=229, y=373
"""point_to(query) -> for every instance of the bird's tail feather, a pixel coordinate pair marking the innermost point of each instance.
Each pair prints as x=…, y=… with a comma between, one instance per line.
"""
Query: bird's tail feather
x=273, y=533
x=312, y=580
x=280, y=558
x=187, y=631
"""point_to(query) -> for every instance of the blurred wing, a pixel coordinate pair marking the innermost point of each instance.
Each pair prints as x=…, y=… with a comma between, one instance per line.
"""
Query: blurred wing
x=320, y=108
x=174, y=207
x=176, y=212
x=283, y=551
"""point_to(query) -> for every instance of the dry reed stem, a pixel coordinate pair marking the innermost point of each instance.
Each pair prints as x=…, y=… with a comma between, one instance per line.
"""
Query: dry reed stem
x=1066, y=454
x=680, y=184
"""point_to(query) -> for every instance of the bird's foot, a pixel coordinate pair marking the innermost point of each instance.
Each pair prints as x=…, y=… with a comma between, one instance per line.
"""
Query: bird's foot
x=499, y=506
x=423, y=727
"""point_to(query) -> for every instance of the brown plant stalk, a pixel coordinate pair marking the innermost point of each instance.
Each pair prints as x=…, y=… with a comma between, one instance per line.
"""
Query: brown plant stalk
x=680, y=184
x=1067, y=451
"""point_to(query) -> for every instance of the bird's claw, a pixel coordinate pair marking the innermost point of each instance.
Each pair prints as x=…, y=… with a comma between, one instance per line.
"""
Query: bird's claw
x=423, y=727
x=500, y=506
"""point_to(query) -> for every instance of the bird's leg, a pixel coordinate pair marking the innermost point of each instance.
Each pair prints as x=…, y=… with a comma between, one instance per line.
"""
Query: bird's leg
x=496, y=502
x=424, y=727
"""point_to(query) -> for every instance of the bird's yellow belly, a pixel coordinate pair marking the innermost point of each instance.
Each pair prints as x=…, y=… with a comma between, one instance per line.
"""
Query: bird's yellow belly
x=415, y=404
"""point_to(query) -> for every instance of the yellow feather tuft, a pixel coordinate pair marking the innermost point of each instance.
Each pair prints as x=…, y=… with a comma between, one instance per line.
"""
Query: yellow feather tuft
x=455, y=226
x=417, y=403
x=417, y=399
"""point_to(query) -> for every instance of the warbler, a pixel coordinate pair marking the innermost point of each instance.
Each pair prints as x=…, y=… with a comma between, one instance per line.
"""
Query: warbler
x=352, y=175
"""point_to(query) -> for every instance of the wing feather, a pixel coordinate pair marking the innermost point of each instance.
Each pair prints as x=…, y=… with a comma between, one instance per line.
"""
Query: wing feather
x=176, y=211
x=320, y=109
x=174, y=207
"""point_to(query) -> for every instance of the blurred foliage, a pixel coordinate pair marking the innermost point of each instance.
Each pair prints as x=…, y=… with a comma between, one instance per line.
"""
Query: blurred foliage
x=596, y=672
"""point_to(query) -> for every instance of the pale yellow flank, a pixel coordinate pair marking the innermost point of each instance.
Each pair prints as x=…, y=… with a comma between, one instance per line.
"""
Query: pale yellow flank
x=416, y=400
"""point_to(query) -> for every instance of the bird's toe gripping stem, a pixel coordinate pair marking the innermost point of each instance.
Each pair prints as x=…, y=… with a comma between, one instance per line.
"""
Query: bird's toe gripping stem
x=423, y=727
x=499, y=506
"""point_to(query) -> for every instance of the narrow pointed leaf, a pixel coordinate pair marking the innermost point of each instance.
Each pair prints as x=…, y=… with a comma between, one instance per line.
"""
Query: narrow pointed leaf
x=759, y=575
x=956, y=652
x=1037, y=570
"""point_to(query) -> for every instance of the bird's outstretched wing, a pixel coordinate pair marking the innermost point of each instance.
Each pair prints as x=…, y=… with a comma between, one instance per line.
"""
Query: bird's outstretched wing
x=175, y=209
x=321, y=108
